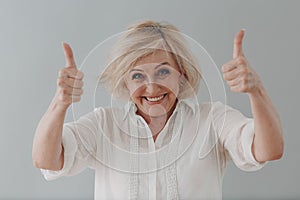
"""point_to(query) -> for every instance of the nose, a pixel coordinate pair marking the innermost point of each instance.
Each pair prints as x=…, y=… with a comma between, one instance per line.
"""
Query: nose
x=152, y=88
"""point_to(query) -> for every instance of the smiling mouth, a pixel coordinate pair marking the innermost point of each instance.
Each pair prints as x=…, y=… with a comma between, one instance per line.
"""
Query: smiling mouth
x=155, y=99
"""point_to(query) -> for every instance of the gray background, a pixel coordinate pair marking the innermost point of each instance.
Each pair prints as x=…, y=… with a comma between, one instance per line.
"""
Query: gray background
x=31, y=33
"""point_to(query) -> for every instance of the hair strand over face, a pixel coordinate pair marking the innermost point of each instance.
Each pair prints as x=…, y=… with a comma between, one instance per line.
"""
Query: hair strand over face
x=143, y=39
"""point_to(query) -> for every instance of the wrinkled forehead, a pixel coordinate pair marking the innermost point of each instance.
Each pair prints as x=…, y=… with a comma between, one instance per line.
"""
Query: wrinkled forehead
x=157, y=57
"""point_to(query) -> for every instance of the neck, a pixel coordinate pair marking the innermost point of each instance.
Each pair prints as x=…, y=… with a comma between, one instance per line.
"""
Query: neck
x=157, y=123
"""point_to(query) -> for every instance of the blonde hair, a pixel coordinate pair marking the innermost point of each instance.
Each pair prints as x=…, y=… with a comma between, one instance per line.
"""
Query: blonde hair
x=143, y=39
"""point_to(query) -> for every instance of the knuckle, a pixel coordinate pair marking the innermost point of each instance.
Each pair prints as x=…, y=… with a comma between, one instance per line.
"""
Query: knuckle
x=224, y=76
x=81, y=91
x=73, y=70
x=244, y=77
x=244, y=87
x=75, y=98
x=70, y=82
x=244, y=70
x=241, y=60
x=79, y=74
x=78, y=92
x=74, y=83
x=233, y=89
x=59, y=82
x=80, y=84
x=224, y=68
x=244, y=81
x=64, y=91
x=62, y=71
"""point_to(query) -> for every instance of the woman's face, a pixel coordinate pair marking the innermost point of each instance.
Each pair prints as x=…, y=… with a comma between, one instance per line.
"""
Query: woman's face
x=153, y=84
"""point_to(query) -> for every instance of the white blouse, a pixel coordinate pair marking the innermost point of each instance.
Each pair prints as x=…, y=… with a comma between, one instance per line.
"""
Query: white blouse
x=187, y=160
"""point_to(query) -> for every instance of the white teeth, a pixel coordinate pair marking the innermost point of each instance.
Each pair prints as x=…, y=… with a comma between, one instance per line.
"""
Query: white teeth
x=153, y=99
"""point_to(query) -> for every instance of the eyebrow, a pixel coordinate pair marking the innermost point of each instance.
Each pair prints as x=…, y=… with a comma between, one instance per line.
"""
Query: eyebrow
x=139, y=70
x=159, y=65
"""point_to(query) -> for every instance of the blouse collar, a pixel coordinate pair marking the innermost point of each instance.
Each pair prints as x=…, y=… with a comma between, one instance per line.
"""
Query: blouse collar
x=130, y=107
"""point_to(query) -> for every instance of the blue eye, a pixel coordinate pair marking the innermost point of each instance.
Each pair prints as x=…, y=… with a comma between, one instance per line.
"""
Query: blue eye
x=137, y=76
x=163, y=72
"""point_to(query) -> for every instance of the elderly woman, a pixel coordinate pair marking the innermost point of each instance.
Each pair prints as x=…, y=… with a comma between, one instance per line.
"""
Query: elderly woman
x=162, y=144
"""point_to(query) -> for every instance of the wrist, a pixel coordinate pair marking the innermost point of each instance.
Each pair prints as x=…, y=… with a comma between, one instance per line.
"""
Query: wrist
x=258, y=91
x=58, y=106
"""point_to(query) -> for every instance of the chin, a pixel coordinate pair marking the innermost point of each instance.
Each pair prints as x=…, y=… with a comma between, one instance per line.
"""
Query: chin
x=156, y=111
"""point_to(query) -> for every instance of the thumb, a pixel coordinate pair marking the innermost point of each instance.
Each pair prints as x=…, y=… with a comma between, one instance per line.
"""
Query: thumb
x=237, y=44
x=70, y=62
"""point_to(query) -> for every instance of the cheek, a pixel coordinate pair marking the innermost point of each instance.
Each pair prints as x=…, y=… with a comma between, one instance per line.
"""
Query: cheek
x=172, y=99
x=135, y=92
x=133, y=88
x=173, y=85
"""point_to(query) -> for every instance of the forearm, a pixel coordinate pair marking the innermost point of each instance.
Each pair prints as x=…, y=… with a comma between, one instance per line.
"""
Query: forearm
x=47, y=152
x=268, y=138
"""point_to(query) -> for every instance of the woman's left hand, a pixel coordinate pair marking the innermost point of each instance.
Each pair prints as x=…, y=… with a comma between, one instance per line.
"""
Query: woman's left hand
x=237, y=73
x=268, y=140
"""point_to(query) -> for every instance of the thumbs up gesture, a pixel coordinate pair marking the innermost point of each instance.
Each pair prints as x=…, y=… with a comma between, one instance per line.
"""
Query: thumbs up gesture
x=237, y=72
x=69, y=81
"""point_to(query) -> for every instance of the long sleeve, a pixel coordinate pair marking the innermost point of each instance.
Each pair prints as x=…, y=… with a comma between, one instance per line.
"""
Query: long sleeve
x=236, y=134
x=79, y=143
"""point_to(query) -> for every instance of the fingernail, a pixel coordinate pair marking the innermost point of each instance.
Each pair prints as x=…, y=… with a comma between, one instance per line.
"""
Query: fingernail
x=64, y=43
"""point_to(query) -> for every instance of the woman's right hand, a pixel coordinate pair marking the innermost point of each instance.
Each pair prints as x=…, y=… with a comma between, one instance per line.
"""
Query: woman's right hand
x=47, y=151
x=69, y=81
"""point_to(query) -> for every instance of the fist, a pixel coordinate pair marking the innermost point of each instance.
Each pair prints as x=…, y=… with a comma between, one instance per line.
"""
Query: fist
x=69, y=81
x=239, y=76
